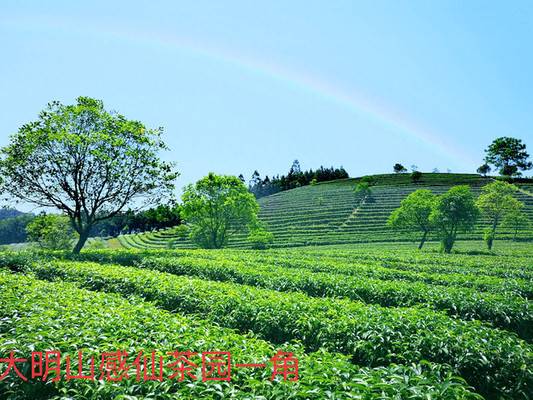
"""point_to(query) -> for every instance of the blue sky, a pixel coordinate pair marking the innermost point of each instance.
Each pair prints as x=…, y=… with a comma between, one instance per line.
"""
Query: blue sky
x=245, y=85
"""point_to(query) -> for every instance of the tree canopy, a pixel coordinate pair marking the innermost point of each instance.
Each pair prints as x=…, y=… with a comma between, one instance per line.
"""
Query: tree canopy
x=484, y=169
x=217, y=207
x=516, y=220
x=455, y=211
x=399, y=168
x=363, y=192
x=508, y=155
x=86, y=162
x=496, y=201
x=414, y=213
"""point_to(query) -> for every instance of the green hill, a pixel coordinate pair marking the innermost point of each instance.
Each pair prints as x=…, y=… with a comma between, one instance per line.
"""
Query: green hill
x=328, y=213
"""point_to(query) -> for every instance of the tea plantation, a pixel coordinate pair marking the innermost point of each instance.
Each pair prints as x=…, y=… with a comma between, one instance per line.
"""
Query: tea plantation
x=363, y=322
x=362, y=316
x=328, y=213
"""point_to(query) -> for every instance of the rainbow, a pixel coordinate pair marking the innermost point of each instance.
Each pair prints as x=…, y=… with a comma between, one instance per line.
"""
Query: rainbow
x=317, y=86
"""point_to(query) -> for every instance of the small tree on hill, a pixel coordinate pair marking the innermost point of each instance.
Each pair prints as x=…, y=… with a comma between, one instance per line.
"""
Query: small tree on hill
x=484, y=169
x=217, y=207
x=399, y=168
x=508, y=155
x=85, y=162
x=414, y=213
x=415, y=176
x=455, y=211
x=496, y=201
x=363, y=192
x=256, y=179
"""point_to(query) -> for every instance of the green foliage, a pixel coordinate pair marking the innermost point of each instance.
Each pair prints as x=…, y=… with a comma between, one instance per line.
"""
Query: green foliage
x=371, y=180
x=85, y=162
x=13, y=230
x=414, y=213
x=484, y=169
x=493, y=361
x=516, y=220
x=182, y=231
x=363, y=192
x=97, y=244
x=217, y=207
x=506, y=310
x=261, y=239
x=488, y=236
x=509, y=155
x=295, y=178
x=62, y=317
x=338, y=219
x=415, y=176
x=455, y=211
x=399, y=168
x=495, y=202
x=51, y=232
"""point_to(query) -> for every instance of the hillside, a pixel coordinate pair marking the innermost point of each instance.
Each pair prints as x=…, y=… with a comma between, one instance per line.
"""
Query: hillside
x=327, y=213
x=8, y=213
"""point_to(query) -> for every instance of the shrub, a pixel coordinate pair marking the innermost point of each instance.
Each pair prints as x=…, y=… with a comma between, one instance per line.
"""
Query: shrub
x=97, y=245
x=415, y=176
x=51, y=232
x=261, y=239
x=182, y=231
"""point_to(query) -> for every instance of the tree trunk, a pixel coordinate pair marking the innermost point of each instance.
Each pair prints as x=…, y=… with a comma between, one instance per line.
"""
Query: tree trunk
x=489, y=243
x=448, y=242
x=83, y=238
x=494, y=224
x=423, y=240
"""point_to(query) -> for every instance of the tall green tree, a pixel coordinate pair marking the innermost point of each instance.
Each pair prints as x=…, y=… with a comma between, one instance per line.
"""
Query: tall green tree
x=455, y=211
x=509, y=156
x=414, y=213
x=86, y=162
x=495, y=202
x=217, y=207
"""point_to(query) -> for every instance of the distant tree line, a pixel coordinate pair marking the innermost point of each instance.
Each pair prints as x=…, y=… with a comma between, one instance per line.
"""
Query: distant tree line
x=294, y=178
x=128, y=222
x=13, y=229
x=13, y=226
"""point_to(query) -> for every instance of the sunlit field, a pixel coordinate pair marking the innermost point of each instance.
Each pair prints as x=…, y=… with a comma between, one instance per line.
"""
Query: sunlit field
x=362, y=321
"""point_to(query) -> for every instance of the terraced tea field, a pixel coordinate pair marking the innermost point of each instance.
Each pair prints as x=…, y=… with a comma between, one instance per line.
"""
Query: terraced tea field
x=363, y=323
x=328, y=213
